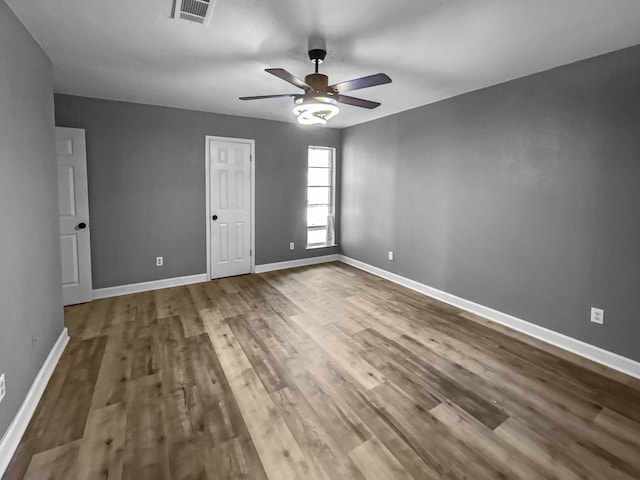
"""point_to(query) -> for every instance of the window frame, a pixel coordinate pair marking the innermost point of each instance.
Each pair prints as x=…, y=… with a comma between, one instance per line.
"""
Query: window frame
x=332, y=198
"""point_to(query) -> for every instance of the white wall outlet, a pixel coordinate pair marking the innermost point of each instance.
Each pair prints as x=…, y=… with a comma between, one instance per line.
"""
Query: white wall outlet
x=390, y=255
x=3, y=388
x=292, y=246
x=159, y=261
x=597, y=315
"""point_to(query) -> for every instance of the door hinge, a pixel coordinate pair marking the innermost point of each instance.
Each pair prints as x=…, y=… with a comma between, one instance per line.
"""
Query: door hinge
x=251, y=253
x=251, y=158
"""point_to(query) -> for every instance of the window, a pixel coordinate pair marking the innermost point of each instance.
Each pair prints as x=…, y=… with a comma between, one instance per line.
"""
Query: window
x=320, y=197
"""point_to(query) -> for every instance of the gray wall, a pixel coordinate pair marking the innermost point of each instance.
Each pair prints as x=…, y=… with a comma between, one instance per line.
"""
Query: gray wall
x=524, y=197
x=147, y=186
x=30, y=292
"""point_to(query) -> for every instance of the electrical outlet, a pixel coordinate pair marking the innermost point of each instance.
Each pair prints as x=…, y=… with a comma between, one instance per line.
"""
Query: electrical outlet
x=3, y=388
x=292, y=246
x=390, y=255
x=159, y=261
x=597, y=315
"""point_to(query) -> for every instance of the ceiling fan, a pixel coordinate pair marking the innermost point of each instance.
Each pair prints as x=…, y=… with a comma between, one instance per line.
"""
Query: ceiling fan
x=319, y=102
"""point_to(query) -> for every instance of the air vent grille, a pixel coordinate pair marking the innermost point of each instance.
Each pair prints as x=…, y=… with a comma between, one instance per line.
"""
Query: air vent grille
x=198, y=11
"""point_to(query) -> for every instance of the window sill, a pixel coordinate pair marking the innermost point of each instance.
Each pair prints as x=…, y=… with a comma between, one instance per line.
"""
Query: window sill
x=321, y=246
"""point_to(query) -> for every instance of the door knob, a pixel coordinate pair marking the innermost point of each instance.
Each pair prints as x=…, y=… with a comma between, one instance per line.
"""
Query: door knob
x=214, y=217
x=81, y=226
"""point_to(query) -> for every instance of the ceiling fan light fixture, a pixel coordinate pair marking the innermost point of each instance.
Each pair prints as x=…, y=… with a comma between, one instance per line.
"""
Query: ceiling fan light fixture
x=319, y=102
x=315, y=110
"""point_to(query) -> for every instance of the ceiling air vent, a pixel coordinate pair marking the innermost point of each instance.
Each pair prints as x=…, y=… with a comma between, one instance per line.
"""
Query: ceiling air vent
x=198, y=11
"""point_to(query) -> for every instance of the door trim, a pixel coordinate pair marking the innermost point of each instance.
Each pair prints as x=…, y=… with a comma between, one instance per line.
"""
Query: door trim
x=207, y=168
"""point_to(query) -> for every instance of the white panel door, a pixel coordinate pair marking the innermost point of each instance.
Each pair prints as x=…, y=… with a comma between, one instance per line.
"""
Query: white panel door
x=229, y=206
x=73, y=206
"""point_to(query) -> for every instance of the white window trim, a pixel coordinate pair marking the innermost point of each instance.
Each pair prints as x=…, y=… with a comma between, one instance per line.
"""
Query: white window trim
x=333, y=198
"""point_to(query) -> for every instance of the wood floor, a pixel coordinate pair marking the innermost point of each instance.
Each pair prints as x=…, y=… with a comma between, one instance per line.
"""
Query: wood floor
x=313, y=373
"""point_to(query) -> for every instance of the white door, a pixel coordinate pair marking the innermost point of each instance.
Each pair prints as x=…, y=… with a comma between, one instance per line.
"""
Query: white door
x=229, y=213
x=73, y=204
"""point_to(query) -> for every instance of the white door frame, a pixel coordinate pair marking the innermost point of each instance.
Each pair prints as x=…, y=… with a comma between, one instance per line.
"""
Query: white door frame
x=207, y=171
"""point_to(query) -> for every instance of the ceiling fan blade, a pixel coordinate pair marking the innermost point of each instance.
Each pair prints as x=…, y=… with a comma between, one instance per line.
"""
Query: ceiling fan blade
x=363, y=82
x=260, y=97
x=357, y=102
x=288, y=77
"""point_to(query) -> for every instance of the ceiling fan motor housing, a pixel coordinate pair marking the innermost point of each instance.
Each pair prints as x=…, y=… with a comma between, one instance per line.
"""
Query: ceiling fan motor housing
x=317, y=81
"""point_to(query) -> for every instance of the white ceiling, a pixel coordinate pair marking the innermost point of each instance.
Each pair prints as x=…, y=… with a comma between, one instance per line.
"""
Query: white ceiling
x=133, y=51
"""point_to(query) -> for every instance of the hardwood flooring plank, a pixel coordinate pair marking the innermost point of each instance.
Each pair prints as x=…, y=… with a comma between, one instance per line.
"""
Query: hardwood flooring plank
x=145, y=356
x=91, y=318
x=608, y=446
x=483, y=441
x=200, y=295
x=222, y=416
x=231, y=305
x=304, y=297
x=45, y=412
x=438, y=386
x=279, y=452
x=540, y=450
x=326, y=454
x=185, y=456
x=337, y=418
x=619, y=426
x=125, y=310
x=167, y=302
x=257, y=292
x=348, y=360
x=68, y=417
x=58, y=463
x=102, y=452
x=146, y=309
x=236, y=459
x=189, y=316
x=526, y=399
x=582, y=400
x=377, y=463
x=601, y=464
x=530, y=389
x=554, y=351
x=595, y=384
x=146, y=450
x=361, y=411
x=259, y=355
x=282, y=347
x=115, y=369
x=434, y=441
x=176, y=367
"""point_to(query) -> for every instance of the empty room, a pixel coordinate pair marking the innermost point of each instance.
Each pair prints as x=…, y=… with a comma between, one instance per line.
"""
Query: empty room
x=319, y=240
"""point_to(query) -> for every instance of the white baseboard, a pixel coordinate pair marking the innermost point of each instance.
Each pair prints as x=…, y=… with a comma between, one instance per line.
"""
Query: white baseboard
x=18, y=426
x=202, y=277
x=146, y=286
x=591, y=352
x=302, y=262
